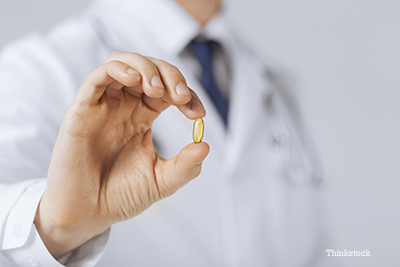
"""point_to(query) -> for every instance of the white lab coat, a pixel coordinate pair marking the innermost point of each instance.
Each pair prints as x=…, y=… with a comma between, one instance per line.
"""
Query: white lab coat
x=257, y=202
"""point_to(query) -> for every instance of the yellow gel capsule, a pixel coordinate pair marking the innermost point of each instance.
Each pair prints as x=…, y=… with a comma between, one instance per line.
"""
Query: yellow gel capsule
x=198, y=130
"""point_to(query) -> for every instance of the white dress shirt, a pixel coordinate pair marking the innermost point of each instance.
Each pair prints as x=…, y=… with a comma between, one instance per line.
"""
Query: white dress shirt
x=257, y=201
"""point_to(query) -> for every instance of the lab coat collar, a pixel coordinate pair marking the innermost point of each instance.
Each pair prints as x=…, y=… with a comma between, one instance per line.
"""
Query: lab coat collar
x=165, y=23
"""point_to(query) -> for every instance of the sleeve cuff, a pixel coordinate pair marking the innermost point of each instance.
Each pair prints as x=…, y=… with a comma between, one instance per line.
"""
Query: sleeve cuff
x=25, y=246
x=35, y=253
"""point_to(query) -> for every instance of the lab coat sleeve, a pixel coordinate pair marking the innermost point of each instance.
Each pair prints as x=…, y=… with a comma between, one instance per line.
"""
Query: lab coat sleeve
x=36, y=88
x=21, y=244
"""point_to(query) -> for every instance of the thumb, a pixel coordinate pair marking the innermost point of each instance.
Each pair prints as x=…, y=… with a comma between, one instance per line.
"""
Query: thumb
x=181, y=169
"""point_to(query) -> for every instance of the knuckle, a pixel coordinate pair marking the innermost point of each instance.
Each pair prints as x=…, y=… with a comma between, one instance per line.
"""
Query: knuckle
x=135, y=54
x=148, y=61
x=114, y=54
x=137, y=57
x=93, y=73
x=143, y=62
x=158, y=63
x=113, y=64
x=174, y=72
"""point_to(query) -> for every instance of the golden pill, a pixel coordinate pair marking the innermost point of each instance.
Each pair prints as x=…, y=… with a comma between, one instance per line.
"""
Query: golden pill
x=198, y=130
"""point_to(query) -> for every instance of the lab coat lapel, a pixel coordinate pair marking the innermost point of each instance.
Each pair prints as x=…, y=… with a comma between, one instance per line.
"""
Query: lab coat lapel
x=244, y=110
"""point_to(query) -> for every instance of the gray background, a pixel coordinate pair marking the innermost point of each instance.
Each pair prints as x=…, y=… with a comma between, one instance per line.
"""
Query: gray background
x=346, y=54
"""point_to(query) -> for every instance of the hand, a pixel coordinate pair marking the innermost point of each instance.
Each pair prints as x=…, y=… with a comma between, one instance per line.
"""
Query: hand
x=104, y=168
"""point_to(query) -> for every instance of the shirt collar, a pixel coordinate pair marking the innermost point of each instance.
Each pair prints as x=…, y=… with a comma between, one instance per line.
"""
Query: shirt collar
x=164, y=22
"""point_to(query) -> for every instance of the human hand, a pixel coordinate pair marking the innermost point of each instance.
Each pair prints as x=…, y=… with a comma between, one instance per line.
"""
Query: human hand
x=104, y=168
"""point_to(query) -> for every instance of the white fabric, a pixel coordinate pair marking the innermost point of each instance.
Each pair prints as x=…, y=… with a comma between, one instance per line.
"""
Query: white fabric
x=21, y=244
x=256, y=202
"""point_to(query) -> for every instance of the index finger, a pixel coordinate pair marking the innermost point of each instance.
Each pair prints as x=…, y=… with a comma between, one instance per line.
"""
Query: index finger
x=101, y=77
x=151, y=81
x=192, y=110
x=174, y=81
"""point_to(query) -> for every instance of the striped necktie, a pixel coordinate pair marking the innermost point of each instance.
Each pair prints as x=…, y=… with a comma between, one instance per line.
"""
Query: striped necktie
x=202, y=51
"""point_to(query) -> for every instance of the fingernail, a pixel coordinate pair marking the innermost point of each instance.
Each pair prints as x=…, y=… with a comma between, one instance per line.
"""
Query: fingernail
x=182, y=89
x=198, y=164
x=196, y=106
x=131, y=71
x=156, y=82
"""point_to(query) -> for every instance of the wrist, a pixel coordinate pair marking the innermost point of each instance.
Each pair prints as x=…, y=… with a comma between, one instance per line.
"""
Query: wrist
x=57, y=240
x=60, y=236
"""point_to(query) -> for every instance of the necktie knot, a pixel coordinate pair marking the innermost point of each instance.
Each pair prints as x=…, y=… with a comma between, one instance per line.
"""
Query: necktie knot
x=203, y=53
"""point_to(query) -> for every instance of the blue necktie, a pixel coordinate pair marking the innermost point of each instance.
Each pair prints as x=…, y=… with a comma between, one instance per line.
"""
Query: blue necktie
x=202, y=51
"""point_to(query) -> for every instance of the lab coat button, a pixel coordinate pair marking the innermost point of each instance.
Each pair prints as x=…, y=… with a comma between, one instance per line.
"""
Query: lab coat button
x=32, y=260
x=17, y=229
